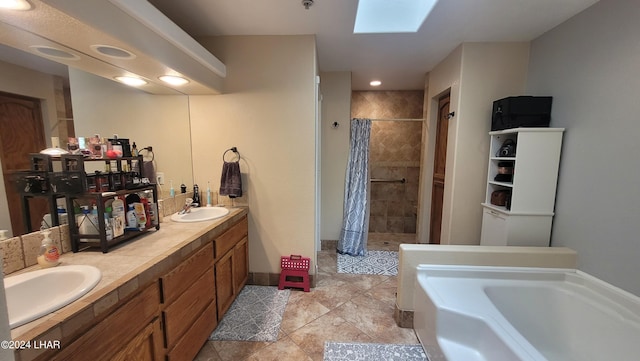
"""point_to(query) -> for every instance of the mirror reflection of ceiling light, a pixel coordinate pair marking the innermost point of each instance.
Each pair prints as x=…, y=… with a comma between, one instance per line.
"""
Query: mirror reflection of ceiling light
x=173, y=80
x=112, y=51
x=131, y=80
x=52, y=52
x=15, y=4
x=375, y=83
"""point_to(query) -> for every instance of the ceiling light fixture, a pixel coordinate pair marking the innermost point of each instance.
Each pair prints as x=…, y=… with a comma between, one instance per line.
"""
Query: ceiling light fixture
x=174, y=80
x=15, y=4
x=52, y=52
x=375, y=83
x=112, y=51
x=131, y=80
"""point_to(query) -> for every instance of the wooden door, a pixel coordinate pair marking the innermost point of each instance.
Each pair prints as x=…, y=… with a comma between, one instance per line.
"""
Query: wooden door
x=439, y=163
x=21, y=133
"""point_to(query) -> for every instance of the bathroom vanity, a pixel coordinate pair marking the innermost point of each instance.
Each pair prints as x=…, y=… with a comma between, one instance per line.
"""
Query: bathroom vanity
x=160, y=297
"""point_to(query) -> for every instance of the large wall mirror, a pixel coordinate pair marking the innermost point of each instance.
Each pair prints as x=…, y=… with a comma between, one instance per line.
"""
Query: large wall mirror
x=94, y=105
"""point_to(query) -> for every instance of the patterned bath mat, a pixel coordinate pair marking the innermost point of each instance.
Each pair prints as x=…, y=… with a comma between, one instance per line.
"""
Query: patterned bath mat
x=255, y=315
x=374, y=263
x=339, y=351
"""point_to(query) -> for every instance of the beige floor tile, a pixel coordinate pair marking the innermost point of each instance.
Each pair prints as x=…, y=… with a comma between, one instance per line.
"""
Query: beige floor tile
x=300, y=311
x=284, y=349
x=330, y=327
x=236, y=350
x=208, y=353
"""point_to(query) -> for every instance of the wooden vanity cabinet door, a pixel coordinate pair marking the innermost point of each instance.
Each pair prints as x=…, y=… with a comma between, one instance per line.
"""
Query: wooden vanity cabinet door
x=240, y=264
x=147, y=346
x=225, y=293
x=232, y=264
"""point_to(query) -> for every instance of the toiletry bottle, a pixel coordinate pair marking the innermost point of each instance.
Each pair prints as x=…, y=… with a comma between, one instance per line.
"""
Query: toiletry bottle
x=117, y=146
x=134, y=150
x=183, y=188
x=132, y=220
x=108, y=229
x=208, y=194
x=153, y=213
x=172, y=192
x=141, y=216
x=117, y=207
x=196, y=194
x=147, y=211
x=48, y=256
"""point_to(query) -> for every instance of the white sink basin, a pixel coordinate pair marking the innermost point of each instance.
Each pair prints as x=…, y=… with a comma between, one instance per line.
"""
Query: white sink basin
x=35, y=294
x=200, y=214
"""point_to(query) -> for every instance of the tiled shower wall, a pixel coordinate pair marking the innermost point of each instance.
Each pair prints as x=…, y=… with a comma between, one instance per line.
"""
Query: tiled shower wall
x=394, y=154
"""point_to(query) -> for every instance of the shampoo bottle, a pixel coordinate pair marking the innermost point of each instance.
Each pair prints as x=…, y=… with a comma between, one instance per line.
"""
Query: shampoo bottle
x=208, y=194
x=48, y=256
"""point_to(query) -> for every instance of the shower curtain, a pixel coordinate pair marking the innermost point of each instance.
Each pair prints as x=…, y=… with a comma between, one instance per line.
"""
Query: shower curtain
x=355, y=224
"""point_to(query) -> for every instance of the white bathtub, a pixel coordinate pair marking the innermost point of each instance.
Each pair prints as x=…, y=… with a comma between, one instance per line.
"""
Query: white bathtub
x=472, y=313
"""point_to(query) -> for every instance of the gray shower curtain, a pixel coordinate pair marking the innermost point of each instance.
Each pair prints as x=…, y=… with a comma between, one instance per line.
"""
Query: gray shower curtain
x=355, y=224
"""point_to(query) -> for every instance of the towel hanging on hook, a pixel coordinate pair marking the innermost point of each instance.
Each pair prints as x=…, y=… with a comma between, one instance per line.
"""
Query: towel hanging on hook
x=231, y=180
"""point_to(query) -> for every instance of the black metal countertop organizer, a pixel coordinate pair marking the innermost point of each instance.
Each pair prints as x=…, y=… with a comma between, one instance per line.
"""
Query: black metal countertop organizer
x=122, y=177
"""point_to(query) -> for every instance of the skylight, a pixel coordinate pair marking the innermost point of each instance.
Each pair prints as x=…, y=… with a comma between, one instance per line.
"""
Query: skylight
x=391, y=16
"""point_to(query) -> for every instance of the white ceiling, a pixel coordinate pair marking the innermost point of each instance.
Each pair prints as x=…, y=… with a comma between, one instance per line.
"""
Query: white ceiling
x=400, y=61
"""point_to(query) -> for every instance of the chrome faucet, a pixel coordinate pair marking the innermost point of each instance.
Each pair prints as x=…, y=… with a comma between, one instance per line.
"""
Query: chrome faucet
x=187, y=206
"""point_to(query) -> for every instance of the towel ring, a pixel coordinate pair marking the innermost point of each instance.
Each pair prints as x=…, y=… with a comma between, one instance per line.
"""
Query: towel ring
x=232, y=149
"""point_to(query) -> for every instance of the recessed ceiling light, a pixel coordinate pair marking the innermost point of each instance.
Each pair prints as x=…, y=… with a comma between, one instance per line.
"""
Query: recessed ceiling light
x=113, y=51
x=173, y=80
x=54, y=52
x=398, y=16
x=131, y=80
x=15, y=4
x=375, y=83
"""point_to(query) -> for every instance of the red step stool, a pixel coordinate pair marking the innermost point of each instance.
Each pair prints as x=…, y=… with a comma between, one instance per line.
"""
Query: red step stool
x=294, y=266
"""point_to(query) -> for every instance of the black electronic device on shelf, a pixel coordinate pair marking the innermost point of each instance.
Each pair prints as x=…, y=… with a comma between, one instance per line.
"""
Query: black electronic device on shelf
x=521, y=111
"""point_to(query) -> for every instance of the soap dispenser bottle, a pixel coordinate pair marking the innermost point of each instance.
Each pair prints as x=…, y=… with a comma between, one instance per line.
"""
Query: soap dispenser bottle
x=48, y=256
x=196, y=195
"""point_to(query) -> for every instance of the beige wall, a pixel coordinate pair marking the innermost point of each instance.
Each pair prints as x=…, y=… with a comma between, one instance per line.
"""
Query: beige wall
x=105, y=107
x=23, y=81
x=336, y=107
x=268, y=112
x=445, y=77
x=477, y=74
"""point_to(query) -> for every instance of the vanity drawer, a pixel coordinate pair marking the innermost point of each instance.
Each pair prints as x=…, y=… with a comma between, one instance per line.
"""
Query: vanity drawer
x=228, y=239
x=181, y=314
x=178, y=281
x=190, y=344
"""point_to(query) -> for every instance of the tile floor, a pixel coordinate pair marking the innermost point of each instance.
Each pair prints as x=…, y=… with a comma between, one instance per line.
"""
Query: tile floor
x=342, y=307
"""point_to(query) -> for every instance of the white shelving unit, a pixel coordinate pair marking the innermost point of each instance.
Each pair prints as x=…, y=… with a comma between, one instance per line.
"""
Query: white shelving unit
x=526, y=219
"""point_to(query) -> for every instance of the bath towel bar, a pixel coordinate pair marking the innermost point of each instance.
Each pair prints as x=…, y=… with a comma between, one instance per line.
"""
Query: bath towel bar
x=381, y=180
